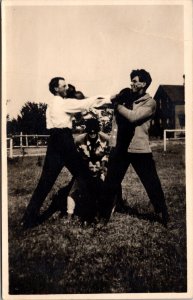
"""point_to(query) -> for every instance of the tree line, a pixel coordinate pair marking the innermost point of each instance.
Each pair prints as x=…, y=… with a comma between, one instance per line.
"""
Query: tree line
x=31, y=120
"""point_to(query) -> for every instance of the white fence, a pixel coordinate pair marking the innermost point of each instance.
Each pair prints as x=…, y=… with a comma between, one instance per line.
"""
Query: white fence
x=26, y=145
x=35, y=145
x=179, y=134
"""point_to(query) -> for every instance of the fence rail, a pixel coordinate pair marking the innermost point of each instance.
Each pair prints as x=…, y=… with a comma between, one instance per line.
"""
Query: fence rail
x=18, y=145
x=176, y=137
x=20, y=149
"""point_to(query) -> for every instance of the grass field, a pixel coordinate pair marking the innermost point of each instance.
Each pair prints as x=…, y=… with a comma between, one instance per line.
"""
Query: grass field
x=133, y=254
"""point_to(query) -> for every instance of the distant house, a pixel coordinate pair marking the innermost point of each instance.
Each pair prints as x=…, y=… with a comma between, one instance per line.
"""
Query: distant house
x=170, y=112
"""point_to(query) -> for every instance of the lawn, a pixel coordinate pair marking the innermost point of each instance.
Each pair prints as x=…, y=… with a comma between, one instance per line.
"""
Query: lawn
x=133, y=254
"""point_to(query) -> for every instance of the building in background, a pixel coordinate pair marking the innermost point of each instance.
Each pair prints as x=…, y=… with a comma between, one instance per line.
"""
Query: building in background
x=170, y=112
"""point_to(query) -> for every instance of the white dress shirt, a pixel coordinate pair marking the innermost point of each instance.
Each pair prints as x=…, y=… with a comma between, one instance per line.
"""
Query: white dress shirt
x=60, y=111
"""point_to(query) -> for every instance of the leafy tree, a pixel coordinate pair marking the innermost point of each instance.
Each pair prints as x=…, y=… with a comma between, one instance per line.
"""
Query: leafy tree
x=12, y=126
x=32, y=119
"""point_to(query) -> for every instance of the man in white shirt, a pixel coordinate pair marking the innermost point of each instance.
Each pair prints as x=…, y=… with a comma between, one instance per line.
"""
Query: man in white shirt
x=61, y=151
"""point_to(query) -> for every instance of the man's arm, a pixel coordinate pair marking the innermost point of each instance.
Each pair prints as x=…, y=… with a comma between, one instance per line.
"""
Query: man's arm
x=104, y=136
x=74, y=106
x=79, y=139
x=141, y=114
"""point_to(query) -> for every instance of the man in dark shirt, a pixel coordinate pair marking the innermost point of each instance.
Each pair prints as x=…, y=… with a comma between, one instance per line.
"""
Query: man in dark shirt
x=131, y=125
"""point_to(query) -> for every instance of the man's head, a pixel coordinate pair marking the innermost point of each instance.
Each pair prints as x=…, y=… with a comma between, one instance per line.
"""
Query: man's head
x=92, y=128
x=140, y=81
x=58, y=87
x=95, y=168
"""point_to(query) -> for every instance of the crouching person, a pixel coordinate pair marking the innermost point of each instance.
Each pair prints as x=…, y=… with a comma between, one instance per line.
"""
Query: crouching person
x=76, y=197
x=93, y=145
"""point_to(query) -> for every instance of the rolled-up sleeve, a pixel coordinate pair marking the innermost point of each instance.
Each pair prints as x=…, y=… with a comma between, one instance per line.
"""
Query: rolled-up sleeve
x=142, y=113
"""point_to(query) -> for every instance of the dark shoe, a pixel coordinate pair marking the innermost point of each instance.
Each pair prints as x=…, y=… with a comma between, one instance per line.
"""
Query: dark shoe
x=27, y=223
x=163, y=217
x=105, y=214
x=104, y=219
x=88, y=221
x=122, y=206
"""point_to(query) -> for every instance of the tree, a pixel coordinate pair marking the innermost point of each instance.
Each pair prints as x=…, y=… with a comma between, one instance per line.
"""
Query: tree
x=12, y=126
x=32, y=119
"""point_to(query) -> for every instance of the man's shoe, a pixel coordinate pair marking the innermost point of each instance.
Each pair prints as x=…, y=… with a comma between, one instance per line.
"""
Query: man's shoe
x=29, y=223
x=122, y=206
x=165, y=217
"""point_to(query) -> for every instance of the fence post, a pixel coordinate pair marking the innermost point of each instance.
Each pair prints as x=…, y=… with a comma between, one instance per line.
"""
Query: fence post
x=21, y=143
x=11, y=148
x=26, y=140
x=165, y=139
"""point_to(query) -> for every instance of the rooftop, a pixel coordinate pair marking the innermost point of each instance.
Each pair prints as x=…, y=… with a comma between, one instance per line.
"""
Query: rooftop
x=174, y=92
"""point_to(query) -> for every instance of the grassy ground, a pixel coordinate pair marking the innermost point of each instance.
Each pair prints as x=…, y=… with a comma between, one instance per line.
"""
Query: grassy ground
x=133, y=254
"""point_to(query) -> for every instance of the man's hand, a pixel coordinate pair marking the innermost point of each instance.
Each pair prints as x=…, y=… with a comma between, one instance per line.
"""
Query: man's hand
x=93, y=112
x=115, y=101
x=104, y=170
x=102, y=101
x=113, y=97
x=124, y=97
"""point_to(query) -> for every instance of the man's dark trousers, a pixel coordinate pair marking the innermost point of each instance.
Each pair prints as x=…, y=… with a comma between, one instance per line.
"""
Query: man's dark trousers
x=62, y=152
x=144, y=166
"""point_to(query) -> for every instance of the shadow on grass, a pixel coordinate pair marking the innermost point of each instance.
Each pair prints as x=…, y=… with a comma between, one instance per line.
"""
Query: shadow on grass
x=59, y=204
x=151, y=217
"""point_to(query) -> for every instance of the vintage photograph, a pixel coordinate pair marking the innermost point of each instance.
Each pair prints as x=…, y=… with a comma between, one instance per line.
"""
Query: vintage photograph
x=94, y=119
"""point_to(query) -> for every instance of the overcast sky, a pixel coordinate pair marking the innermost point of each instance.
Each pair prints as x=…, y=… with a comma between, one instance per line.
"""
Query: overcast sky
x=94, y=47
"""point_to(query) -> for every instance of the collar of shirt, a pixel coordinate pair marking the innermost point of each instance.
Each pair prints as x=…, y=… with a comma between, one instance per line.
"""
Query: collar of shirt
x=143, y=98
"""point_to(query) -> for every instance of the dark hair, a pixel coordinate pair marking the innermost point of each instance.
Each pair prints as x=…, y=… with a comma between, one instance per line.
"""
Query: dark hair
x=79, y=95
x=92, y=124
x=54, y=83
x=143, y=75
x=71, y=91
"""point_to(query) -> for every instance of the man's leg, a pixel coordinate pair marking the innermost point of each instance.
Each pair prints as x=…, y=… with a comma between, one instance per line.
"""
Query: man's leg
x=52, y=166
x=117, y=167
x=90, y=187
x=144, y=166
x=61, y=152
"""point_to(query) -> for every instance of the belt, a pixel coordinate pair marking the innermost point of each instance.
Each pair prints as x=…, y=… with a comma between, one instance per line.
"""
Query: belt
x=60, y=130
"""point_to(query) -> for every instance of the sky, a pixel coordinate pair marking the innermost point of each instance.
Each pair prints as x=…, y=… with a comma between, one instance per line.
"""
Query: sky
x=94, y=47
